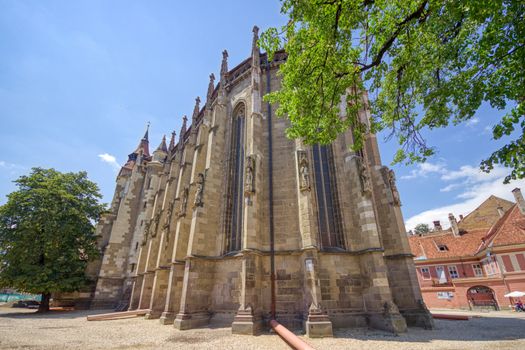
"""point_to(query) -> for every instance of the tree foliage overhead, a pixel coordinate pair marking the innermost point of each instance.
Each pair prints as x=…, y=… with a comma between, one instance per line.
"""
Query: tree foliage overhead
x=426, y=63
x=47, y=233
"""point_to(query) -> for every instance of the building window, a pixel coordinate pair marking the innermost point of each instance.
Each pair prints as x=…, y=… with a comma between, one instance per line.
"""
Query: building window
x=453, y=272
x=445, y=295
x=132, y=268
x=442, y=248
x=234, y=208
x=425, y=273
x=490, y=266
x=329, y=217
x=478, y=272
x=136, y=245
x=440, y=272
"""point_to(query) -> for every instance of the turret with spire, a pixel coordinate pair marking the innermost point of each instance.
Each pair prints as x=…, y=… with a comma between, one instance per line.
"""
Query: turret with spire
x=141, y=152
x=159, y=155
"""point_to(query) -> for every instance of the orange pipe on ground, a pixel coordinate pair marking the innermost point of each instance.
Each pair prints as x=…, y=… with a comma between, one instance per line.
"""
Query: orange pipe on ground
x=117, y=315
x=451, y=317
x=290, y=338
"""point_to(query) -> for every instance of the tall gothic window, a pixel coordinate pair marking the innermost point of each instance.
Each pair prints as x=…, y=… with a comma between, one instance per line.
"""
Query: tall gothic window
x=329, y=214
x=234, y=209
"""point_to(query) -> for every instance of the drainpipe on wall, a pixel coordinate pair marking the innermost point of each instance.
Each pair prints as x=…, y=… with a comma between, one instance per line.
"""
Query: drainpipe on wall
x=270, y=194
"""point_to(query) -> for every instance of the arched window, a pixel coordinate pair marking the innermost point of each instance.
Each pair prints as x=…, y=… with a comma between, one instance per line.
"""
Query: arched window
x=234, y=208
x=329, y=214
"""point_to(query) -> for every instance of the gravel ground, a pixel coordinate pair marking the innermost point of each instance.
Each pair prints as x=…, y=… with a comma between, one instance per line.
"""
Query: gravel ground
x=21, y=329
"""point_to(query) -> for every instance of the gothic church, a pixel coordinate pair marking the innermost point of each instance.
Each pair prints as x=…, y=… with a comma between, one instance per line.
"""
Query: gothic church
x=235, y=223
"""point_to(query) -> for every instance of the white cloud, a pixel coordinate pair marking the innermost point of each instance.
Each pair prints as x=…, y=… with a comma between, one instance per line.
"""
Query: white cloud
x=487, y=130
x=423, y=169
x=473, y=174
x=12, y=168
x=472, y=121
x=476, y=187
x=449, y=187
x=111, y=160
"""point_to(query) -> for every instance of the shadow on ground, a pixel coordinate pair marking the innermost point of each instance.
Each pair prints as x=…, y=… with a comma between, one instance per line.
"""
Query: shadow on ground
x=476, y=329
x=21, y=313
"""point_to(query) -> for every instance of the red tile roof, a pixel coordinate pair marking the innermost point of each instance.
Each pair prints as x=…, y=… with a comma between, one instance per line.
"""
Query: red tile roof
x=465, y=245
x=510, y=229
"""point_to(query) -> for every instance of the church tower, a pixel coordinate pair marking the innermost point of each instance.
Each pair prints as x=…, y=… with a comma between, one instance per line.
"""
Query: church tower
x=234, y=222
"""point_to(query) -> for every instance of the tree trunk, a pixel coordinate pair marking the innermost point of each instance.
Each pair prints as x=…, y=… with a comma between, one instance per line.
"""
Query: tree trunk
x=44, y=304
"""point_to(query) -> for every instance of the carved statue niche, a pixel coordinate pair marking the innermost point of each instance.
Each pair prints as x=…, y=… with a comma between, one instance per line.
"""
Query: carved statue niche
x=146, y=231
x=393, y=187
x=155, y=226
x=200, y=191
x=249, y=184
x=364, y=175
x=167, y=219
x=304, y=171
x=183, y=201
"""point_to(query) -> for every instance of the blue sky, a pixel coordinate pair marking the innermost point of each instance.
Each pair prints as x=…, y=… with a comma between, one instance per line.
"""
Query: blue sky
x=79, y=80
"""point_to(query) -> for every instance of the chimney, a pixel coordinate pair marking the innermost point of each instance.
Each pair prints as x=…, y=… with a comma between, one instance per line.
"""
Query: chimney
x=460, y=217
x=437, y=225
x=453, y=225
x=501, y=212
x=519, y=199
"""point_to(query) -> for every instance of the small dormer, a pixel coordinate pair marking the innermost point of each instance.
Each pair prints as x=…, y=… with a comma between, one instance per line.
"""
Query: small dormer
x=442, y=247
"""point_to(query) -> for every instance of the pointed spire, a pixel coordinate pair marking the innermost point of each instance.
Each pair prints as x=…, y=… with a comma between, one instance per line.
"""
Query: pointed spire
x=183, y=128
x=162, y=147
x=211, y=87
x=143, y=146
x=146, y=134
x=172, y=141
x=142, y=150
x=224, y=65
x=256, y=60
x=196, y=110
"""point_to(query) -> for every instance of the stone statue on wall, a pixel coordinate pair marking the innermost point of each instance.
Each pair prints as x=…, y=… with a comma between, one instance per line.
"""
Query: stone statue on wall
x=146, y=231
x=184, y=201
x=393, y=187
x=364, y=175
x=155, y=226
x=200, y=191
x=249, y=184
x=167, y=219
x=304, y=171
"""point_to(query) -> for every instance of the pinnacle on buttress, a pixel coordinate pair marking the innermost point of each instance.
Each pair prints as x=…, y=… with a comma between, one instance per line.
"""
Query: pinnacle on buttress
x=172, y=141
x=162, y=147
x=224, y=65
x=211, y=87
x=256, y=61
x=161, y=152
x=196, y=110
x=183, y=128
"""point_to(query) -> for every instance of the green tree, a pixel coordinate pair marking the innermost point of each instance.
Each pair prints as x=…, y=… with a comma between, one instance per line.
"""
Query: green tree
x=47, y=233
x=426, y=63
x=421, y=228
